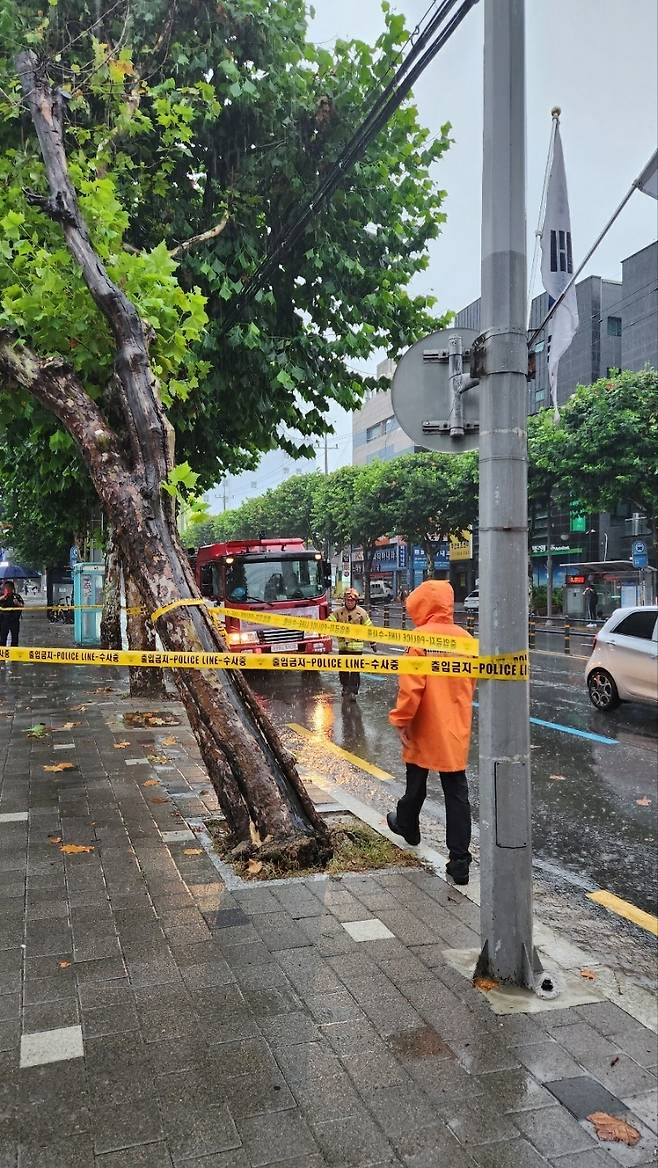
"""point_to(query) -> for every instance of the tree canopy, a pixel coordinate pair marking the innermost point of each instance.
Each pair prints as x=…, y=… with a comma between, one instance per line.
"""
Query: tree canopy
x=207, y=123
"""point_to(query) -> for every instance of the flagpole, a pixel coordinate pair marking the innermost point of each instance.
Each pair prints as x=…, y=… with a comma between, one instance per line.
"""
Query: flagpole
x=556, y=303
x=555, y=115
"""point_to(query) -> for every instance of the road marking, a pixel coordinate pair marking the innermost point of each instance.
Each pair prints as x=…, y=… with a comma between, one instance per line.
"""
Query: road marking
x=577, y=733
x=332, y=748
x=572, y=730
x=623, y=908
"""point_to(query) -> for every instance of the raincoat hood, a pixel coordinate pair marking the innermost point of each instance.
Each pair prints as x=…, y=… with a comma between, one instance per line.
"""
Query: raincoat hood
x=433, y=600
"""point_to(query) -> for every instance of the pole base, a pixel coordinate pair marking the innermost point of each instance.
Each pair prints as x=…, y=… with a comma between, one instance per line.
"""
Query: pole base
x=531, y=970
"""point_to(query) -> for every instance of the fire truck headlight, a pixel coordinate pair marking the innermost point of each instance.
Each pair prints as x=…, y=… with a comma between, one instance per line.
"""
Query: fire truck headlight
x=248, y=638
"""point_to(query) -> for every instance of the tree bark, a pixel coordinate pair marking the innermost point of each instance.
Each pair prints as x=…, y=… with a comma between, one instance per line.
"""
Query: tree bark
x=144, y=681
x=111, y=614
x=256, y=780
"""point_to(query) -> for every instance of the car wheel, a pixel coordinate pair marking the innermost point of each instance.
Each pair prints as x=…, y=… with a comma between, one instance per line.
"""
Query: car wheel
x=602, y=690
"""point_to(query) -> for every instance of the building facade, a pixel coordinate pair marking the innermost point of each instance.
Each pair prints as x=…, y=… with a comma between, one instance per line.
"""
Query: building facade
x=618, y=329
x=376, y=433
x=639, y=309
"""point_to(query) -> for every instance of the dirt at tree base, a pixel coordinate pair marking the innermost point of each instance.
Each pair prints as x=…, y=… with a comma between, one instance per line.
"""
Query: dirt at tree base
x=352, y=847
x=138, y=719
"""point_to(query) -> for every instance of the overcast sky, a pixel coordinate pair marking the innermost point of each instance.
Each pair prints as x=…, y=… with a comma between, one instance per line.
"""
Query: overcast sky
x=596, y=59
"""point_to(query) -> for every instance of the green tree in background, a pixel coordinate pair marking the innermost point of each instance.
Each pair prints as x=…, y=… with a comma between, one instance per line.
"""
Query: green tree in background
x=434, y=496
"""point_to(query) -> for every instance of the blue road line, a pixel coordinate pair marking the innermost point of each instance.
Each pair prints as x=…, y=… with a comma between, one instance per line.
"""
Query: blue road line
x=572, y=730
x=577, y=733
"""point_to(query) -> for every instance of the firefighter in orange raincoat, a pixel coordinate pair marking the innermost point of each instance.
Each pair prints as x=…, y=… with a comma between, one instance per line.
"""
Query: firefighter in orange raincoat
x=433, y=716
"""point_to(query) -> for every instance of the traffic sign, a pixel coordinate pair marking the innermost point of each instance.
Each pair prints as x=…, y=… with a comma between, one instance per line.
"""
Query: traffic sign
x=435, y=409
x=640, y=554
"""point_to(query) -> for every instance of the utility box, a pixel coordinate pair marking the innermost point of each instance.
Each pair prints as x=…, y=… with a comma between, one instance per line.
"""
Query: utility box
x=88, y=580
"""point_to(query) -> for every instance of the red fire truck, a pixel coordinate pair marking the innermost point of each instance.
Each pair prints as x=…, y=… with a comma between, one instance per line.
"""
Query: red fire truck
x=266, y=575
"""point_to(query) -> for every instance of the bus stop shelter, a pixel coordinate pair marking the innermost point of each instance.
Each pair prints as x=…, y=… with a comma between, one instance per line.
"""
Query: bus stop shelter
x=618, y=584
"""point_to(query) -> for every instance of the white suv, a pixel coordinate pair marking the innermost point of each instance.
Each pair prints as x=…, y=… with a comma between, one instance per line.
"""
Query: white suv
x=624, y=662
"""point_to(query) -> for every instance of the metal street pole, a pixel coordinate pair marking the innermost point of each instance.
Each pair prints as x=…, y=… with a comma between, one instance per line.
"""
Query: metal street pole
x=506, y=857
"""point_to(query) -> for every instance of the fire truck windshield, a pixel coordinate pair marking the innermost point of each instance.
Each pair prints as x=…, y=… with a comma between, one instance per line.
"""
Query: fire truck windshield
x=272, y=580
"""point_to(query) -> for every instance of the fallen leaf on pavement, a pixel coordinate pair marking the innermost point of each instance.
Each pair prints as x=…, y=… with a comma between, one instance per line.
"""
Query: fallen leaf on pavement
x=485, y=983
x=67, y=726
x=37, y=731
x=59, y=766
x=75, y=849
x=169, y=740
x=157, y=759
x=559, y=778
x=151, y=783
x=55, y=839
x=63, y=964
x=159, y=799
x=614, y=1130
x=204, y=792
x=588, y=974
x=103, y=689
x=120, y=745
x=195, y=852
x=78, y=709
x=643, y=802
x=254, y=867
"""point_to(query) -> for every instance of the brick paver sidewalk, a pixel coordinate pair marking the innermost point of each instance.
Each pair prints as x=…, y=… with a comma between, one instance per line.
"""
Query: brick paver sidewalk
x=149, y=1017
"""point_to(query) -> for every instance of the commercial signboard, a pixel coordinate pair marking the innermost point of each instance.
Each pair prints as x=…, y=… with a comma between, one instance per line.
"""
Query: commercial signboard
x=461, y=546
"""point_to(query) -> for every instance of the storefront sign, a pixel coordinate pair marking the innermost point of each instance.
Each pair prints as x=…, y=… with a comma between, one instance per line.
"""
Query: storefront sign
x=539, y=549
x=461, y=546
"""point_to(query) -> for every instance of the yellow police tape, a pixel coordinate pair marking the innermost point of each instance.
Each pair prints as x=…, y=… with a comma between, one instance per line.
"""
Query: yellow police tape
x=439, y=642
x=508, y=667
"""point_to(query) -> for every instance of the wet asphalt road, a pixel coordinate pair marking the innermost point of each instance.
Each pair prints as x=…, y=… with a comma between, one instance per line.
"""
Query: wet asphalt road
x=589, y=770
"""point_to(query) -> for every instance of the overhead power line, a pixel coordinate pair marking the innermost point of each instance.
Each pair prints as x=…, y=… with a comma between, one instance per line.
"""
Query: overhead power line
x=430, y=40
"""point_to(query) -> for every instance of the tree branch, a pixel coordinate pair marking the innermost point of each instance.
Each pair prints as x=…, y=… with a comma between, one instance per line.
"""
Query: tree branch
x=53, y=383
x=133, y=369
x=182, y=248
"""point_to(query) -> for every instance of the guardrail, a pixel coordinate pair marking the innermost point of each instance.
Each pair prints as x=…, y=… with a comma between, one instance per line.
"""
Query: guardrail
x=564, y=629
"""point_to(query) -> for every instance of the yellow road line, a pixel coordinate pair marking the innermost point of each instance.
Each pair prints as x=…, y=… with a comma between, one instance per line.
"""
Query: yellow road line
x=331, y=747
x=624, y=909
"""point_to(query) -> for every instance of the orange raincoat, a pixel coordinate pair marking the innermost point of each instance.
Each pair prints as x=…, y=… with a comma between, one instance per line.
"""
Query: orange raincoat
x=435, y=712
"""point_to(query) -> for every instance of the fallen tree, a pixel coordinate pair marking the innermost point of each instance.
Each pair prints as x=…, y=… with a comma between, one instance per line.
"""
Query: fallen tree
x=257, y=783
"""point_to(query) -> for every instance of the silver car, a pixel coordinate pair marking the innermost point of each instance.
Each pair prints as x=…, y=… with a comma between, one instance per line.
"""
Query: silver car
x=623, y=666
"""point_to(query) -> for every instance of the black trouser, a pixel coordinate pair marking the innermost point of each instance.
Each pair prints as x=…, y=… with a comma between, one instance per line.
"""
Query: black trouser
x=458, y=808
x=349, y=682
x=9, y=623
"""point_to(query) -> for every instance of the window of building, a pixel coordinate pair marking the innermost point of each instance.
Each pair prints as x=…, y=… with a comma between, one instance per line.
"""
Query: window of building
x=540, y=395
x=614, y=326
x=373, y=432
x=638, y=624
x=380, y=428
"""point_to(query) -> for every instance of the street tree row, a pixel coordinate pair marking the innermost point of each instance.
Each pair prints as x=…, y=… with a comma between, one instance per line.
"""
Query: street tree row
x=424, y=498
x=603, y=454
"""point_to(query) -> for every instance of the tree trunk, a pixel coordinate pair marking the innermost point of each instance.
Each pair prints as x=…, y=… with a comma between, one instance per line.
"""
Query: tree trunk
x=111, y=614
x=145, y=682
x=368, y=556
x=257, y=784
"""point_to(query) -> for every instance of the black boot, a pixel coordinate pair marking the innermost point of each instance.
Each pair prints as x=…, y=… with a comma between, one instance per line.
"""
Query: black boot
x=393, y=825
x=457, y=870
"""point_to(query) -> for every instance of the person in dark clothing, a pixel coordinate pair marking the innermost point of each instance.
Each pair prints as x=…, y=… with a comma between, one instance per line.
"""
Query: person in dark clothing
x=591, y=598
x=11, y=606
